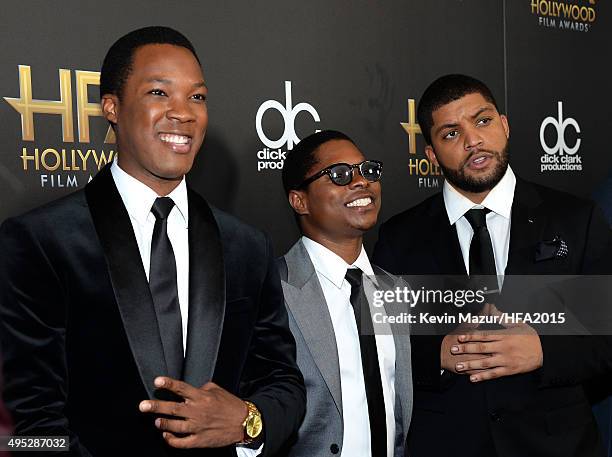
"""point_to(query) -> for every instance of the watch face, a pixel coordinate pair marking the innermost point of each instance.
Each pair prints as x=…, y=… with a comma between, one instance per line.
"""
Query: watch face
x=254, y=426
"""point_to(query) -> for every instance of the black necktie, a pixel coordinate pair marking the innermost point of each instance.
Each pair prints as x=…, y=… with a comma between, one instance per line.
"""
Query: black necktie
x=482, y=259
x=162, y=281
x=369, y=363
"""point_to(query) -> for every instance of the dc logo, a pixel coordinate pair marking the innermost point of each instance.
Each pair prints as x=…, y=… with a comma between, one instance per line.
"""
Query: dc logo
x=289, y=112
x=560, y=125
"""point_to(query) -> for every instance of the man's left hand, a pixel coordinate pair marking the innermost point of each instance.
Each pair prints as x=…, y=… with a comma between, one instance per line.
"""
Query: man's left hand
x=209, y=417
x=513, y=350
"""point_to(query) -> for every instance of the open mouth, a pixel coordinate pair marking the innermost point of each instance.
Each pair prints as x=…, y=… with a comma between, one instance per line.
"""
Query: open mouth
x=359, y=203
x=178, y=143
x=480, y=161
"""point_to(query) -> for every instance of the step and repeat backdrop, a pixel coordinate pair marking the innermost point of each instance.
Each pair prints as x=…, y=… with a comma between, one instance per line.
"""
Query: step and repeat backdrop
x=279, y=70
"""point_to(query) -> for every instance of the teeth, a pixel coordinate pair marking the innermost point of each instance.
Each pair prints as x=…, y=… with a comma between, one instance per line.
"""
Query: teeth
x=178, y=139
x=360, y=202
x=479, y=159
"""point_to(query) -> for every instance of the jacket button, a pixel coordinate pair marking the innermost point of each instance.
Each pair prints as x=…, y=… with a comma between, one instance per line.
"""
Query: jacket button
x=495, y=417
x=334, y=448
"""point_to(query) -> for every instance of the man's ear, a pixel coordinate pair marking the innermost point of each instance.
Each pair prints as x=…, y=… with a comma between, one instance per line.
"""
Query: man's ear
x=110, y=108
x=298, y=201
x=504, y=121
x=431, y=155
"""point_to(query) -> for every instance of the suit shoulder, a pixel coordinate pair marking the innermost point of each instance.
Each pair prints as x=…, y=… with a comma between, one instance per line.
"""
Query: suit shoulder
x=557, y=199
x=238, y=232
x=401, y=220
x=50, y=214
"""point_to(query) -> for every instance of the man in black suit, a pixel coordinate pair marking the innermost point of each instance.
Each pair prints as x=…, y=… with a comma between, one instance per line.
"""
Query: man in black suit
x=137, y=319
x=5, y=422
x=495, y=392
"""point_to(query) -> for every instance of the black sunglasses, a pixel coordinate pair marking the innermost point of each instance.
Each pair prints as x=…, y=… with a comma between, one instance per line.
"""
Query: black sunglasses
x=341, y=174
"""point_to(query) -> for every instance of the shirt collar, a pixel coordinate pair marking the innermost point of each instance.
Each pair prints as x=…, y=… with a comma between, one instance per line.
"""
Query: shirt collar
x=138, y=198
x=498, y=200
x=331, y=265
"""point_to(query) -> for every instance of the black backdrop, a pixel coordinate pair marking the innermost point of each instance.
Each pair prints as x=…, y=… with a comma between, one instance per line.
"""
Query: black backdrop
x=356, y=63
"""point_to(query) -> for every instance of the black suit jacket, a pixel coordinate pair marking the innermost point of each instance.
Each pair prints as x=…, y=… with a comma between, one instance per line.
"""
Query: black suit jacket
x=80, y=337
x=543, y=413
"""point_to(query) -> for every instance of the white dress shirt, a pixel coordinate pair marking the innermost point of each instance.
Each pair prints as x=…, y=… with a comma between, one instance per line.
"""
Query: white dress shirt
x=499, y=201
x=331, y=271
x=138, y=199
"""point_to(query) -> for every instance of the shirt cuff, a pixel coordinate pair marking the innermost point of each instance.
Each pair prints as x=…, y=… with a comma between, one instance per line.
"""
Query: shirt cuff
x=243, y=451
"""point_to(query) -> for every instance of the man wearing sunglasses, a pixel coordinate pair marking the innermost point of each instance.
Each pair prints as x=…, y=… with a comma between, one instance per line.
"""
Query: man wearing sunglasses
x=359, y=389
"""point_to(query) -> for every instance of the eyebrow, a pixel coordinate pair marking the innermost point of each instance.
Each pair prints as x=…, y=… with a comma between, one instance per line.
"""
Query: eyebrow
x=474, y=116
x=168, y=81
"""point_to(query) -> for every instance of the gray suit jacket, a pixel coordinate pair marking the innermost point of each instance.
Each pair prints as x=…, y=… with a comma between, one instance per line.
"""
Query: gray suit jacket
x=317, y=356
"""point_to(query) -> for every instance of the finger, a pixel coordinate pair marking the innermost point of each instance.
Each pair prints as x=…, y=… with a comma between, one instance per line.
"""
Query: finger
x=169, y=408
x=472, y=348
x=210, y=386
x=480, y=364
x=174, y=425
x=178, y=387
x=492, y=335
x=486, y=375
x=185, y=442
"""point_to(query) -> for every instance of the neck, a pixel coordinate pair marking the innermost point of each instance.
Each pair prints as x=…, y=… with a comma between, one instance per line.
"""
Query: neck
x=161, y=186
x=473, y=196
x=348, y=249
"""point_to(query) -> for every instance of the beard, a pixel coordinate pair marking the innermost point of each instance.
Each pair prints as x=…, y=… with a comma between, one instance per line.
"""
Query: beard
x=477, y=184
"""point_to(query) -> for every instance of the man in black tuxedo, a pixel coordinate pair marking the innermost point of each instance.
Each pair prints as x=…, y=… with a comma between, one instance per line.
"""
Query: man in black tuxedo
x=495, y=392
x=137, y=319
x=5, y=422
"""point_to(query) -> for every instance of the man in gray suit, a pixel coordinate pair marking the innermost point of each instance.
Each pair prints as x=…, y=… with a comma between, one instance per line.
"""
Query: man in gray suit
x=359, y=387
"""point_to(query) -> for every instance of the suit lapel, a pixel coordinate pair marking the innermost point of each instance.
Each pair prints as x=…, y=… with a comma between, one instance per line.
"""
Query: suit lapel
x=306, y=302
x=127, y=275
x=444, y=241
x=206, y=292
x=526, y=228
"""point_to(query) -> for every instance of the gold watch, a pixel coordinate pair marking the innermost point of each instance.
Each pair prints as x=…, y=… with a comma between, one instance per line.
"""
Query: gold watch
x=253, y=424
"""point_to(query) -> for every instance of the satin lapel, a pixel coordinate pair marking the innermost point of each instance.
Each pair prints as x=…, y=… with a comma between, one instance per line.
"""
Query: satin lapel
x=444, y=242
x=306, y=302
x=526, y=228
x=127, y=275
x=206, y=292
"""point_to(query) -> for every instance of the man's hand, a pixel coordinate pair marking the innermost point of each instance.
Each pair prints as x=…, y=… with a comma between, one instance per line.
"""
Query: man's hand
x=209, y=417
x=450, y=360
x=513, y=350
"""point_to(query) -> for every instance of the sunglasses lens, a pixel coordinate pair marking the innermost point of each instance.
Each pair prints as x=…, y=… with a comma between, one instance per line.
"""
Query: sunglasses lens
x=341, y=175
x=371, y=171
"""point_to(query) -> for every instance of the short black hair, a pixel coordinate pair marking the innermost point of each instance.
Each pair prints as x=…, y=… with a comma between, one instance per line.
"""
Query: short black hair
x=303, y=157
x=117, y=64
x=444, y=90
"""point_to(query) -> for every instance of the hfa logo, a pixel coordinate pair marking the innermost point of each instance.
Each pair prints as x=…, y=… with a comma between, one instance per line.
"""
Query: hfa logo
x=426, y=171
x=272, y=156
x=53, y=158
x=558, y=155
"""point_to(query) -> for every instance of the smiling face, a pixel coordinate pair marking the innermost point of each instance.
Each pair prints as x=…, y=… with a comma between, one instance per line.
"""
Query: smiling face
x=332, y=212
x=470, y=144
x=161, y=117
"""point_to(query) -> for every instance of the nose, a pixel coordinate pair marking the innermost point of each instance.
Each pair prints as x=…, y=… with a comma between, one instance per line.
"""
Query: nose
x=180, y=110
x=358, y=181
x=472, y=139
